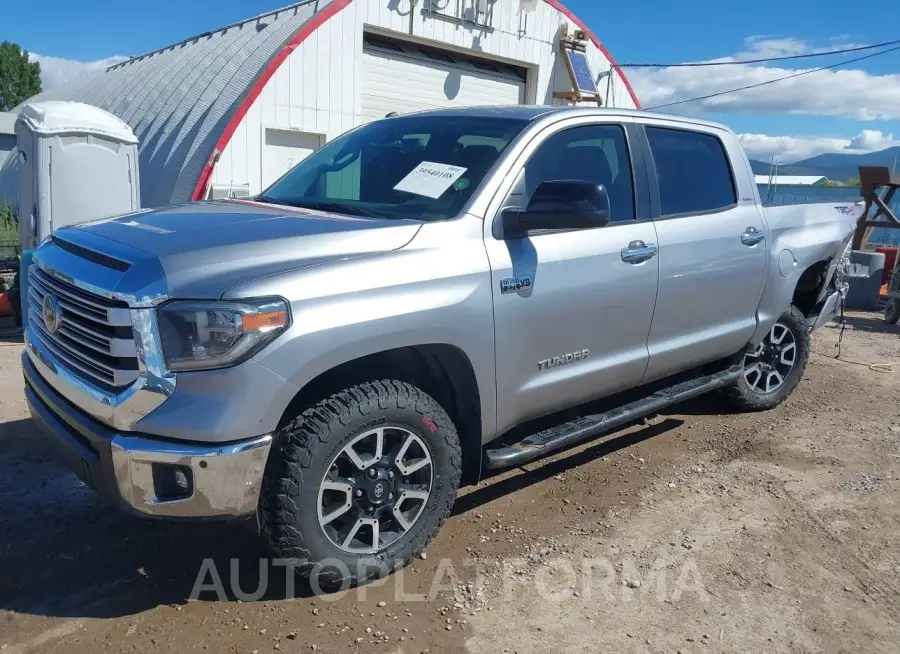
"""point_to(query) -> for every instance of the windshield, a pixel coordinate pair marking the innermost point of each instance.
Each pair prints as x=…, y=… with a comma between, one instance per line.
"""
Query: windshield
x=420, y=167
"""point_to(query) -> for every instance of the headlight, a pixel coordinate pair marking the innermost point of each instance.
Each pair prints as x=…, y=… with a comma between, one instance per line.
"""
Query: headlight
x=203, y=335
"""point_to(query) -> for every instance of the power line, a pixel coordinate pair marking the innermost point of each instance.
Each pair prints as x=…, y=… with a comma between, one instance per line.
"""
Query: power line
x=773, y=81
x=701, y=64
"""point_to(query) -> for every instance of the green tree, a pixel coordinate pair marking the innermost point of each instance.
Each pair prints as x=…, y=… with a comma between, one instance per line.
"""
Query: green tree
x=9, y=222
x=19, y=78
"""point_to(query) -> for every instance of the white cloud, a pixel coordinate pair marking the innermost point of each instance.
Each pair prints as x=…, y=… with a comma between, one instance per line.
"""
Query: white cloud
x=760, y=47
x=788, y=149
x=56, y=71
x=847, y=93
x=871, y=139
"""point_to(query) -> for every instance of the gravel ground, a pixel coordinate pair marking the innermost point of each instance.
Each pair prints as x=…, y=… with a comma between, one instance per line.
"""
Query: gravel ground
x=702, y=531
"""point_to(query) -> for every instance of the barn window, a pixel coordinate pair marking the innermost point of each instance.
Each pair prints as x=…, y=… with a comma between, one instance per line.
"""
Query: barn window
x=382, y=43
x=437, y=56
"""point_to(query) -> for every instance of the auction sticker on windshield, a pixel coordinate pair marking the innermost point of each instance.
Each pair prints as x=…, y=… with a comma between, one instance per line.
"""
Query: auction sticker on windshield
x=430, y=179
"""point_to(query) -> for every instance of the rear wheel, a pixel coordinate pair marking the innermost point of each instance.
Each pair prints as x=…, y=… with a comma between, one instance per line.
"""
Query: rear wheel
x=892, y=311
x=774, y=368
x=360, y=483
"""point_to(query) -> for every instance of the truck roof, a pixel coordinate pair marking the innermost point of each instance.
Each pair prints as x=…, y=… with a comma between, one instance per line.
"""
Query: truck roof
x=533, y=112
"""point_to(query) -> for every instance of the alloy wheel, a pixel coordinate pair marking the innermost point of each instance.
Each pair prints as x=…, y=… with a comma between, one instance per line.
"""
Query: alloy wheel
x=375, y=490
x=767, y=368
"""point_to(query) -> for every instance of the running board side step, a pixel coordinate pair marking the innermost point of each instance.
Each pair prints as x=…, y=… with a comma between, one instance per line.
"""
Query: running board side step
x=562, y=436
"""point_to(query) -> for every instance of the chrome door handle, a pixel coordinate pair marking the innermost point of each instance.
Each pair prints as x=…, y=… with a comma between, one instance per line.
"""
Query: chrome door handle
x=752, y=236
x=639, y=252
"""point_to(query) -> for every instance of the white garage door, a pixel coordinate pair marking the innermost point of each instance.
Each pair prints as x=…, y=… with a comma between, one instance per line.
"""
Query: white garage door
x=404, y=77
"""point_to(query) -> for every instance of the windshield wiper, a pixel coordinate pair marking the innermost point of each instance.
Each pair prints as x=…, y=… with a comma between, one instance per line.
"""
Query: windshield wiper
x=337, y=207
x=267, y=200
x=332, y=207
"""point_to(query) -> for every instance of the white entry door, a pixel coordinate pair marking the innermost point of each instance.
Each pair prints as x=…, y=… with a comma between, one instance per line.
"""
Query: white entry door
x=283, y=149
x=404, y=77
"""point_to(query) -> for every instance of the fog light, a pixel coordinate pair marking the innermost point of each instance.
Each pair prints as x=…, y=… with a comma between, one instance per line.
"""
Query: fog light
x=181, y=480
x=172, y=482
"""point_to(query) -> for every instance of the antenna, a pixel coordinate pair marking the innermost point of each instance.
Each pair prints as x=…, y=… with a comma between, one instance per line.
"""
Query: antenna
x=773, y=177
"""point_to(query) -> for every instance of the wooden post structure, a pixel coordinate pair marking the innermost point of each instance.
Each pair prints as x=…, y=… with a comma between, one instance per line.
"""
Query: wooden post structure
x=871, y=179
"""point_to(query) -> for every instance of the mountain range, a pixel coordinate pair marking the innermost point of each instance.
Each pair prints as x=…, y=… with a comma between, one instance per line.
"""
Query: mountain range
x=835, y=166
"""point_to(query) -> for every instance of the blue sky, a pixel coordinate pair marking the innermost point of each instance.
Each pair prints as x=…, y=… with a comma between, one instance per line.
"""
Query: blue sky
x=858, y=107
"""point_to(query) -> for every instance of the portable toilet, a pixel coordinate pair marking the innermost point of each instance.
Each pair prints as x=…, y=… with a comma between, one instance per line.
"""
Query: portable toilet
x=76, y=163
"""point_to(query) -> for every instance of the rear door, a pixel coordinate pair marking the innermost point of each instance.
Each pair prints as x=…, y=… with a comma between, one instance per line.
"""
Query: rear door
x=572, y=308
x=712, y=248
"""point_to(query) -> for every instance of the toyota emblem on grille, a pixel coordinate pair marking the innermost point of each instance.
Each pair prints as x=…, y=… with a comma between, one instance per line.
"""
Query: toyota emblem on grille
x=51, y=313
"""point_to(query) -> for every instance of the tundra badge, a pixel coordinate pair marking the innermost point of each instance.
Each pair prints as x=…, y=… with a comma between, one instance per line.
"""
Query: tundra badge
x=564, y=360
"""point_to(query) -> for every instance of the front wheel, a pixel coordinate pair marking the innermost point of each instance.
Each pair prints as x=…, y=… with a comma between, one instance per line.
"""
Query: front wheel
x=774, y=368
x=360, y=483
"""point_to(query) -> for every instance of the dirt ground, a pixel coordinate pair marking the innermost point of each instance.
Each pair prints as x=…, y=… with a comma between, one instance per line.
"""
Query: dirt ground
x=703, y=531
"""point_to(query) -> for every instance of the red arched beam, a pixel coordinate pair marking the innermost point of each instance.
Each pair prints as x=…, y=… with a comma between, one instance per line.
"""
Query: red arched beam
x=247, y=101
x=302, y=34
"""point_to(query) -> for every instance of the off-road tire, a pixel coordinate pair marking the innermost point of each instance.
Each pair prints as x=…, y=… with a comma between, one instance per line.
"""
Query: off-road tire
x=892, y=311
x=742, y=397
x=307, y=445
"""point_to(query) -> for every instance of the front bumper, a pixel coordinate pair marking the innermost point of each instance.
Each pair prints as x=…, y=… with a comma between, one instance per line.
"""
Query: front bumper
x=222, y=480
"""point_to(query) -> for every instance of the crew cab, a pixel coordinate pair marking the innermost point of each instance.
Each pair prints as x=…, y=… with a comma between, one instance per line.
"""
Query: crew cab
x=425, y=297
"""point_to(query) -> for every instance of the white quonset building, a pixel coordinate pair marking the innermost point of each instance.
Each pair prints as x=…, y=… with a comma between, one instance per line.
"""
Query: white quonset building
x=236, y=107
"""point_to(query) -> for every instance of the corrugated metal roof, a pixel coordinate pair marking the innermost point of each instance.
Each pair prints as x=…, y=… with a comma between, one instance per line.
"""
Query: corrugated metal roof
x=179, y=99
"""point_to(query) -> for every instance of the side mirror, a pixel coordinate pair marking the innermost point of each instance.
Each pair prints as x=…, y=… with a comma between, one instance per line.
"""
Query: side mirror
x=558, y=205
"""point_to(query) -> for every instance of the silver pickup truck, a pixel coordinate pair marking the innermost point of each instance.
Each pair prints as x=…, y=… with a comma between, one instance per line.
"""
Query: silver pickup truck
x=425, y=297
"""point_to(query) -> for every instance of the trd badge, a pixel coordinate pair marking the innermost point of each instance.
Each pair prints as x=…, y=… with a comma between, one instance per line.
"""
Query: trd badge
x=516, y=284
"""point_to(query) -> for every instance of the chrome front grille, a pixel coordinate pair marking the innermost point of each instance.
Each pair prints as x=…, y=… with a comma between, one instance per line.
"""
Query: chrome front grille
x=94, y=335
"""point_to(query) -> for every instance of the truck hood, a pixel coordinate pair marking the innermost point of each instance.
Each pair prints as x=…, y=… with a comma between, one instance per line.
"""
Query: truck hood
x=206, y=248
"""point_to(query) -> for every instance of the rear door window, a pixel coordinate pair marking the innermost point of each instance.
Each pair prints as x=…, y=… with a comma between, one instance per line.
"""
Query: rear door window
x=692, y=170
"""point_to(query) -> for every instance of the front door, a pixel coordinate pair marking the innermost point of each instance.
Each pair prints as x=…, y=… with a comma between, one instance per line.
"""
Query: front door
x=571, y=315
x=712, y=252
